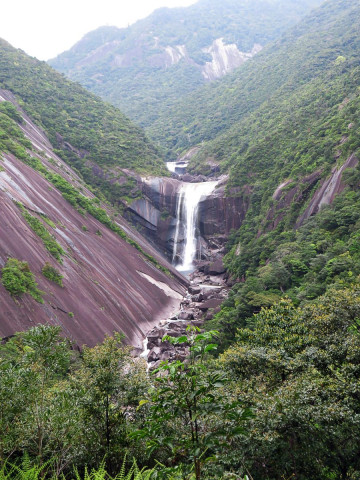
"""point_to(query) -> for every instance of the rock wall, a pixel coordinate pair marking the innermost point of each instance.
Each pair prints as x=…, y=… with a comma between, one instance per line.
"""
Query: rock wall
x=219, y=214
x=108, y=285
x=225, y=58
x=155, y=214
x=314, y=189
x=330, y=187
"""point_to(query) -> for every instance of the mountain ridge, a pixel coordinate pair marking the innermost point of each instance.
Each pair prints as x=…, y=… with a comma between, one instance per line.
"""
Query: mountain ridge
x=174, y=51
x=288, y=62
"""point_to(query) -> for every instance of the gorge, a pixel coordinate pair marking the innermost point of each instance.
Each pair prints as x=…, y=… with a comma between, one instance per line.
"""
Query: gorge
x=252, y=240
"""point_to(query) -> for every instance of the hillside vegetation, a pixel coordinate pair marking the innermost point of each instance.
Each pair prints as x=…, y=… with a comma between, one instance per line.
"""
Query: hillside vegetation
x=133, y=69
x=270, y=390
x=84, y=130
x=284, y=84
x=281, y=126
x=67, y=257
x=282, y=402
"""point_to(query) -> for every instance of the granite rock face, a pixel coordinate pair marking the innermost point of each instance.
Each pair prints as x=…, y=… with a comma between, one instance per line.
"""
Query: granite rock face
x=108, y=284
x=155, y=214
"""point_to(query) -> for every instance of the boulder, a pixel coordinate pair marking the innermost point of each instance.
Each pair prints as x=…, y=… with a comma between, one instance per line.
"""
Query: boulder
x=167, y=355
x=211, y=303
x=178, y=326
x=174, y=333
x=194, y=289
x=187, y=177
x=197, y=323
x=154, y=354
x=155, y=365
x=197, y=298
x=155, y=334
x=186, y=315
x=216, y=268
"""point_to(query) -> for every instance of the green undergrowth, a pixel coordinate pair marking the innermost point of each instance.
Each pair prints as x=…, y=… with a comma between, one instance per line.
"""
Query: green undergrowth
x=12, y=139
x=17, y=278
x=41, y=231
x=27, y=471
x=51, y=273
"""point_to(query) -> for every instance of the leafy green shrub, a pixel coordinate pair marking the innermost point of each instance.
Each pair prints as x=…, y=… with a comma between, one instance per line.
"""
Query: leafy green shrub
x=183, y=406
x=51, y=273
x=17, y=278
x=39, y=228
x=48, y=221
x=296, y=367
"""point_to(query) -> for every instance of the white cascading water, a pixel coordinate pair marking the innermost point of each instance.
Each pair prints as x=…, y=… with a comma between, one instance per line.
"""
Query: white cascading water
x=171, y=166
x=189, y=198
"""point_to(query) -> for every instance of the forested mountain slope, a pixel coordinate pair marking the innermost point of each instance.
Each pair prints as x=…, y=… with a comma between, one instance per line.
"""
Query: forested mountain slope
x=66, y=257
x=294, y=162
x=306, y=54
x=174, y=51
x=91, y=135
x=282, y=400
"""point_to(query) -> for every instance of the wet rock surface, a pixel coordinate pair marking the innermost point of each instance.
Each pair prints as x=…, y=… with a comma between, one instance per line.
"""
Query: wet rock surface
x=202, y=301
x=155, y=214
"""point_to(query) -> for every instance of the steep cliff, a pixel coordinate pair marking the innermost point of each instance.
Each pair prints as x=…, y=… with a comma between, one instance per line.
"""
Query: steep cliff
x=112, y=279
x=156, y=213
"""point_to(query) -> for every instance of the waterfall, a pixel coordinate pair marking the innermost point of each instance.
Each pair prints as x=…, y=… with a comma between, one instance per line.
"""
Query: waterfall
x=187, y=223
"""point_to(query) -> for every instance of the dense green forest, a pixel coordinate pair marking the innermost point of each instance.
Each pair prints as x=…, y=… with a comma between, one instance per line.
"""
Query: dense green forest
x=282, y=402
x=312, y=66
x=128, y=66
x=296, y=138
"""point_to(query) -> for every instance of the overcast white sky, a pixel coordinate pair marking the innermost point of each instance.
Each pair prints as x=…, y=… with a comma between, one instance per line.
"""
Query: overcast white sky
x=45, y=28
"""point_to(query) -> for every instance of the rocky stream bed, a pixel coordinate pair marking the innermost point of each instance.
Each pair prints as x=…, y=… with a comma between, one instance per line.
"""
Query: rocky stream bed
x=208, y=288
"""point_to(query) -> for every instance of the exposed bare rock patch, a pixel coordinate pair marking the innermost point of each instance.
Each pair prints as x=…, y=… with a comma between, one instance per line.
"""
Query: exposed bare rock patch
x=102, y=290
